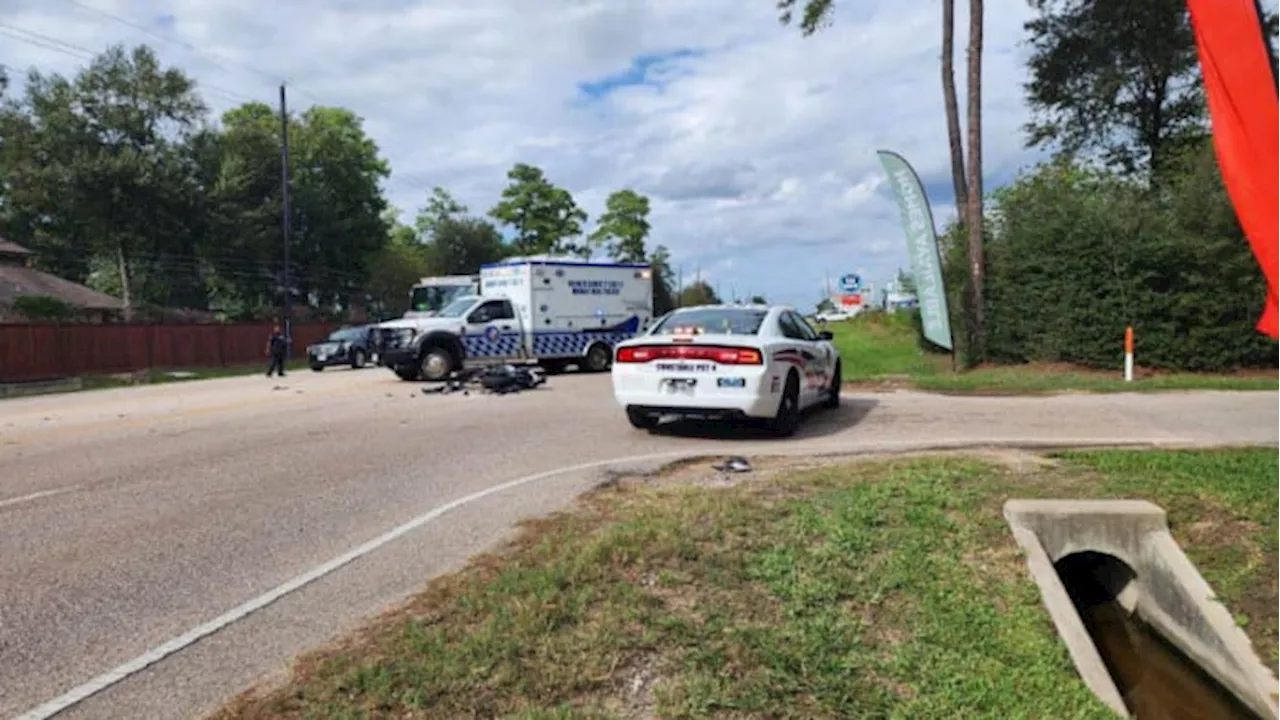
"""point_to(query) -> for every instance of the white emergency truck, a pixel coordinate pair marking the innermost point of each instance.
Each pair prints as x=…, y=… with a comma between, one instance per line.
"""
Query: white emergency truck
x=555, y=311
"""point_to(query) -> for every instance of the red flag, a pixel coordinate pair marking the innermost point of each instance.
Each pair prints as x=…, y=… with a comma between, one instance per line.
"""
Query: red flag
x=1243, y=108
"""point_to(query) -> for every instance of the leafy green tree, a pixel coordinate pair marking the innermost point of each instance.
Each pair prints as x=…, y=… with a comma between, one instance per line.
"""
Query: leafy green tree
x=460, y=245
x=337, y=203
x=97, y=168
x=440, y=206
x=698, y=293
x=624, y=226
x=759, y=300
x=546, y=218
x=1117, y=77
x=663, y=280
x=337, y=208
x=395, y=267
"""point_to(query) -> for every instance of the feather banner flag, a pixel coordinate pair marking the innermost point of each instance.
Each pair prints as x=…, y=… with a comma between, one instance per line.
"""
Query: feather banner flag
x=1240, y=85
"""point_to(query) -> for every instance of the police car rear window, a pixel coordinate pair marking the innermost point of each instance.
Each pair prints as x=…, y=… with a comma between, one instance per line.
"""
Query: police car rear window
x=712, y=322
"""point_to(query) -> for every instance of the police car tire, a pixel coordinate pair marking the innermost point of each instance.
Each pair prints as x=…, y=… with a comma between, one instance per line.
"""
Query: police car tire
x=785, y=423
x=833, y=397
x=641, y=421
x=597, y=359
x=317, y=368
x=358, y=359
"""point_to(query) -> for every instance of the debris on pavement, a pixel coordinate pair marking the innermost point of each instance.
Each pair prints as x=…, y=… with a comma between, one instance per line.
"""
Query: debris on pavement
x=734, y=464
x=498, y=379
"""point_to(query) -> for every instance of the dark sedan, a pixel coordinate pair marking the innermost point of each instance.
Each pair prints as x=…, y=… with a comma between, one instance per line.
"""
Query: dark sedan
x=348, y=346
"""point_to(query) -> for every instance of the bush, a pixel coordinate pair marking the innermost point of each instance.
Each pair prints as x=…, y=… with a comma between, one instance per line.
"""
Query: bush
x=1074, y=255
x=43, y=307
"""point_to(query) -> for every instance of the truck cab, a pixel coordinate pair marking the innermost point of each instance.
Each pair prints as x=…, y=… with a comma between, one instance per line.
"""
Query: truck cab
x=471, y=329
x=430, y=295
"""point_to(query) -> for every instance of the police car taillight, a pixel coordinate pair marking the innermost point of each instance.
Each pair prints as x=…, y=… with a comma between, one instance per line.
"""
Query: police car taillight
x=707, y=353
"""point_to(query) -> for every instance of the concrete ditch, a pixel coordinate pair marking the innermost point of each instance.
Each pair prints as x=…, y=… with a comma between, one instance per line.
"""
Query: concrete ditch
x=1142, y=626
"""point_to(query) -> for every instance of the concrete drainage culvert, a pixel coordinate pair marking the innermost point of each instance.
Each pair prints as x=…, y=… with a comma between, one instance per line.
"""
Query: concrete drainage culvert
x=1142, y=626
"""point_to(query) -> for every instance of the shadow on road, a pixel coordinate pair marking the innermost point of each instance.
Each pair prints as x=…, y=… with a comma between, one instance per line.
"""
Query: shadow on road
x=817, y=423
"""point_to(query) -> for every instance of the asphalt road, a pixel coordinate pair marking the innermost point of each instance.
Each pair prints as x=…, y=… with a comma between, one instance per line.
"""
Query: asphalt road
x=209, y=531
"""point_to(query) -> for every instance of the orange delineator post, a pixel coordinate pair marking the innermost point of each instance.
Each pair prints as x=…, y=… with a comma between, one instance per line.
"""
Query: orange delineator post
x=1128, y=354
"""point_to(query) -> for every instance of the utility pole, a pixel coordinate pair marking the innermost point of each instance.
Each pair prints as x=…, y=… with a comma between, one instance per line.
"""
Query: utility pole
x=679, y=284
x=284, y=223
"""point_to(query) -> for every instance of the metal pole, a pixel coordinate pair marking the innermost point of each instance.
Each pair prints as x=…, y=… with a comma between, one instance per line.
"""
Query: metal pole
x=679, y=284
x=284, y=223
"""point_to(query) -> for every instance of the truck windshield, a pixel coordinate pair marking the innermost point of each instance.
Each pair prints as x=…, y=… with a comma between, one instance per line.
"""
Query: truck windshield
x=433, y=298
x=458, y=307
x=712, y=321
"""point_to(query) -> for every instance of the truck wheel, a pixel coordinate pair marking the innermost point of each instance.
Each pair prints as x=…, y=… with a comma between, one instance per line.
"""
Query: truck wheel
x=436, y=364
x=407, y=373
x=784, y=424
x=357, y=359
x=598, y=358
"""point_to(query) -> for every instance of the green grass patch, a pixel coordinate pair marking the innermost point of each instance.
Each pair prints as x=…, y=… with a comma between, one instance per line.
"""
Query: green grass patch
x=874, y=589
x=881, y=349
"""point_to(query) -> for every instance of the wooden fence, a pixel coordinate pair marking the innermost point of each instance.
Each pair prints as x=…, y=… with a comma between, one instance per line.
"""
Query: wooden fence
x=51, y=351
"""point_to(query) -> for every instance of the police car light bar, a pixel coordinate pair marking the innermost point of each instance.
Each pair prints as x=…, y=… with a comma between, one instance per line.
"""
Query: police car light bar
x=708, y=353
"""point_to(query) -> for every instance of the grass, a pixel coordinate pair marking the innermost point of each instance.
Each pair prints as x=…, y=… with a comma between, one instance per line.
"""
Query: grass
x=882, y=350
x=874, y=589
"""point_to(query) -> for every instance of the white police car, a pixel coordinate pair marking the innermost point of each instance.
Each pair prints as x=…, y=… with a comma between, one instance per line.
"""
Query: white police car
x=727, y=362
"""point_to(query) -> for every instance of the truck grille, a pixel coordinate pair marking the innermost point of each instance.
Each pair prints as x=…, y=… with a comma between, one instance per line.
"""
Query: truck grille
x=394, y=338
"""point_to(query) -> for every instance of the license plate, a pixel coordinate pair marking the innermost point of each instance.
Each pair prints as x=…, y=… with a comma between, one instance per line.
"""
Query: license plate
x=731, y=382
x=321, y=357
x=680, y=385
x=684, y=367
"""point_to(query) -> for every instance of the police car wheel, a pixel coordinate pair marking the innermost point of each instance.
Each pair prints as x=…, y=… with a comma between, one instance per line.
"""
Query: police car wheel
x=597, y=359
x=640, y=420
x=785, y=423
x=833, y=397
x=436, y=364
x=357, y=359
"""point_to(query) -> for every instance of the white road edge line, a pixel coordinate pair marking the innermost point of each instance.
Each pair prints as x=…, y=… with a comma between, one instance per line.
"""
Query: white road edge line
x=154, y=655
x=158, y=653
x=37, y=495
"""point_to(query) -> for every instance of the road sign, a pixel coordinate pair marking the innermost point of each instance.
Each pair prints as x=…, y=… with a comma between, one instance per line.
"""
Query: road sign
x=850, y=283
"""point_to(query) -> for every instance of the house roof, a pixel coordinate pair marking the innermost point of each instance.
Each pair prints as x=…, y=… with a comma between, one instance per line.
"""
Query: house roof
x=17, y=281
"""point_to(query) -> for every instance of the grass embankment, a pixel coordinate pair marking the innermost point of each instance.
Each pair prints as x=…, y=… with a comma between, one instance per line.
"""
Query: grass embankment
x=872, y=589
x=881, y=350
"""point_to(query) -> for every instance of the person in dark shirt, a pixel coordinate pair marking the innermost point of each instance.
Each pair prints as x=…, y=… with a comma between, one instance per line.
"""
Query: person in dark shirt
x=276, y=345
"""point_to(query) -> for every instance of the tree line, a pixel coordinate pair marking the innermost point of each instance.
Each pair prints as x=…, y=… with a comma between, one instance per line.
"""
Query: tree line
x=119, y=178
x=1127, y=224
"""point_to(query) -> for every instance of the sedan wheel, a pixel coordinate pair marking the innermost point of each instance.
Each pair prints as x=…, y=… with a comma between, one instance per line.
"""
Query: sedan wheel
x=784, y=424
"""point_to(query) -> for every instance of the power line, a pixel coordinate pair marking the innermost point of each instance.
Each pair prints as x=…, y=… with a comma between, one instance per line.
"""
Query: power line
x=82, y=53
x=211, y=56
x=215, y=58
x=222, y=61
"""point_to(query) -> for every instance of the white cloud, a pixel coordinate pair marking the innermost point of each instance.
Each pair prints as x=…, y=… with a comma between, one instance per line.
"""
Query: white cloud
x=756, y=145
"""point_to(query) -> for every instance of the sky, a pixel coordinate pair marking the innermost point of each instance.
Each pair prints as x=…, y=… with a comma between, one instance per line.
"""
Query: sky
x=755, y=145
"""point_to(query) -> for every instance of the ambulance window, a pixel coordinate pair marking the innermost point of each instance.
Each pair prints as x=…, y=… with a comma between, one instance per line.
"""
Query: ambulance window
x=492, y=310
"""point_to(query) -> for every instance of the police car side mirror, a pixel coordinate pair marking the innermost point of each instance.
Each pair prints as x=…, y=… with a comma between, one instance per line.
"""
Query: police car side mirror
x=826, y=335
